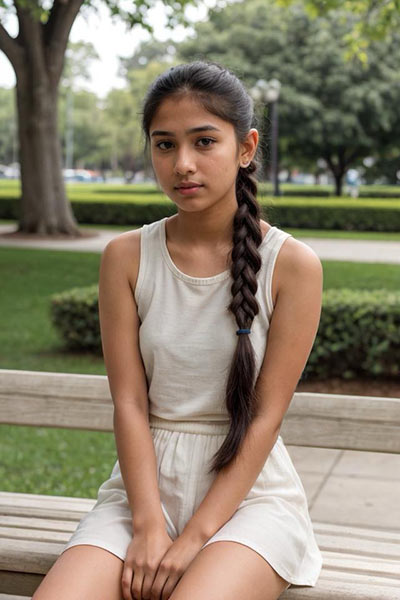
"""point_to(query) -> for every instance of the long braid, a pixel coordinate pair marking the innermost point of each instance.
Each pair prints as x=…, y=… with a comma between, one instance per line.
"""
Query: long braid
x=246, y=262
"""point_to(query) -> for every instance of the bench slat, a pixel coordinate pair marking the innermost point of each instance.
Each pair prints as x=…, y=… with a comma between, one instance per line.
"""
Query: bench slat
x=40, y=398
x=28, y=556
x=342, y=561
x=10, y=499
x=41, y=535
x=37, y=523
x=333, y=589
x=79, y=401
x=358, y=532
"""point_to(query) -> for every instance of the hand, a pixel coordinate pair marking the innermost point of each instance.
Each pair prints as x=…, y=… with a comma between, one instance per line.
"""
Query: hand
x=173, y=565
x=144, y=554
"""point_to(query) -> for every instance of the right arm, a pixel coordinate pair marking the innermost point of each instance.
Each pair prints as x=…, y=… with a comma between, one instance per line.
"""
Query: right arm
x=119, y=324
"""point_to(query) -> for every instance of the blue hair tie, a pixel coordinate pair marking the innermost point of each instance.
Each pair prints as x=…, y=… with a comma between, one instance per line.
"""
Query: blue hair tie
x=239, y=331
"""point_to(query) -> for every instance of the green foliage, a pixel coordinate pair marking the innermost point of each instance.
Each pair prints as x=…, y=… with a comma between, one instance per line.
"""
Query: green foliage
x=129, y=205
x=329, y=107
x=132, y=13
x=8, y=127
x=74, y=313
x=359, y=331
x=27, y=338
x=377, y=20
x=358, y=334
x=61, y=462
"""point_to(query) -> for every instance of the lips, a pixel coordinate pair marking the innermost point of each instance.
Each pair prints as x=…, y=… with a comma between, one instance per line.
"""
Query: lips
x=190, y=184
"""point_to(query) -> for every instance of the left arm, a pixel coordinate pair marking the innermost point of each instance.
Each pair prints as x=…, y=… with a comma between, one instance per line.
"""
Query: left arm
x=292, y=332
x=291, y=335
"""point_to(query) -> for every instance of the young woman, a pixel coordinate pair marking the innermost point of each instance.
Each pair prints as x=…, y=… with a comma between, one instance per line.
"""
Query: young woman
x=207, y=319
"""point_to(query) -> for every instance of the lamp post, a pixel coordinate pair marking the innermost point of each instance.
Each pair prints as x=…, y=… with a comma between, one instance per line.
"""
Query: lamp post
x=268, y=92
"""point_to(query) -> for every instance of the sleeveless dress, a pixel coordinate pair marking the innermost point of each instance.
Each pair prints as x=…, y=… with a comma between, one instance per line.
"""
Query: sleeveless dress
x=187, y=338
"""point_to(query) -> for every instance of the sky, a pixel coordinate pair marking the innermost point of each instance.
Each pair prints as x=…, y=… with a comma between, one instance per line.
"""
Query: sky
x=110, y=39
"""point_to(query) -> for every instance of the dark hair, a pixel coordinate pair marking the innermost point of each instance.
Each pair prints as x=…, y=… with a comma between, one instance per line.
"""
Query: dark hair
x=222, y=93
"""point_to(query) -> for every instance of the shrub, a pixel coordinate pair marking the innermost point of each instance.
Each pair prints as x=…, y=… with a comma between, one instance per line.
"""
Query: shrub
x=358, y=334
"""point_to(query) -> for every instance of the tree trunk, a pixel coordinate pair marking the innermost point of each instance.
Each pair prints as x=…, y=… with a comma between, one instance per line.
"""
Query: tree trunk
x=37, y=55
x=338, y=183
x=44, y=205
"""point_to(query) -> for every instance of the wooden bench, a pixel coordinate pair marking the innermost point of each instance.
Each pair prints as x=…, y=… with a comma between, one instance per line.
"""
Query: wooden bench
x=359, y=562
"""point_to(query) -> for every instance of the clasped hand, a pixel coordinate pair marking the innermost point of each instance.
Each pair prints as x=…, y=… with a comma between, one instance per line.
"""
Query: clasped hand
x=154, y=564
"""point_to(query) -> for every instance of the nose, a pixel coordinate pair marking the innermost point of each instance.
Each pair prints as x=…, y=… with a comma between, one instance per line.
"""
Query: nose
x=184, y=162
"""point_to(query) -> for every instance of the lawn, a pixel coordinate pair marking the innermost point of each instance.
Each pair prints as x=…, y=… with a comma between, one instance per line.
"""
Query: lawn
x=298, y=233
x=61, y=461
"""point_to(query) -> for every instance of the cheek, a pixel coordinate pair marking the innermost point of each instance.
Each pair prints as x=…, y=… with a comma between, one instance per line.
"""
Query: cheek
x=224, y=166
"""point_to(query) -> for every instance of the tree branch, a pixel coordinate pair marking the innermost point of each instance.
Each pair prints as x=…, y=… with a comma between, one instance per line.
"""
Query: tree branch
x=57, y=30
x=31, y=36
x=10, y=47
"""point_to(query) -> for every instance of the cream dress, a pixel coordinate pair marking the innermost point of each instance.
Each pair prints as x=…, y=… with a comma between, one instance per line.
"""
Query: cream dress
x=187, y=340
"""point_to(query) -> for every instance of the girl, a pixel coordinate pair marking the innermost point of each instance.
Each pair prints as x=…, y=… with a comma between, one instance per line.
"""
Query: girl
x=187, y=304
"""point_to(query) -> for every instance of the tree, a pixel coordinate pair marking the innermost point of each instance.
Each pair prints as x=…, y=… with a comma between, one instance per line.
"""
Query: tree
x=7, y=127
x=330, y=108
x=37, y=56
x=123, y=108
x=377, y=20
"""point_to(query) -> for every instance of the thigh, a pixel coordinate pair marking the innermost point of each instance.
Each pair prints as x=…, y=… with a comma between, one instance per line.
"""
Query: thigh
x=85, y=572
x=227, y=570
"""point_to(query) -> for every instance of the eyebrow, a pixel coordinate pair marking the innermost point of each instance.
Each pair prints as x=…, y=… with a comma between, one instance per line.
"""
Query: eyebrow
x=192, y=130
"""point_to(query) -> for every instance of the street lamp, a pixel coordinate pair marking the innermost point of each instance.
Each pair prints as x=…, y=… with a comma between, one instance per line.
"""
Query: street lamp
x=268, y=92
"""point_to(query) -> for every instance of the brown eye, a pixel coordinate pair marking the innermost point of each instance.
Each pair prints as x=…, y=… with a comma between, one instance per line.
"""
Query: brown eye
x=207, y=140
x=159, y=145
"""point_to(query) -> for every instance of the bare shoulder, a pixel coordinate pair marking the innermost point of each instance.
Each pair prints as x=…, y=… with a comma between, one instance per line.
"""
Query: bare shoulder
x=297, y=263
x=295, y=255
x=124, y=253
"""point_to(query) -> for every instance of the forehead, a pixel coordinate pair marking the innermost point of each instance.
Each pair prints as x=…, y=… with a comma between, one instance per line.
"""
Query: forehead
x=183, y=112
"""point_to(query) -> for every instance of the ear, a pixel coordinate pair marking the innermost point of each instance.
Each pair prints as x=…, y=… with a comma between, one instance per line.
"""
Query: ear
x=248, y=148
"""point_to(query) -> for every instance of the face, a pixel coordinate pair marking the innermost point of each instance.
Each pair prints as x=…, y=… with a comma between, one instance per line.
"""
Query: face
x=208, y=158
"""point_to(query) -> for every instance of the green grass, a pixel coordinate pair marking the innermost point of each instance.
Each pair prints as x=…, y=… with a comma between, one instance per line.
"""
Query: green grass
x=61, y=461
x=54, y=461
x=298, y=233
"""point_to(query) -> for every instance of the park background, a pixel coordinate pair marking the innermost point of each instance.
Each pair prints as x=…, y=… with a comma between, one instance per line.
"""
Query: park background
x=337, y=110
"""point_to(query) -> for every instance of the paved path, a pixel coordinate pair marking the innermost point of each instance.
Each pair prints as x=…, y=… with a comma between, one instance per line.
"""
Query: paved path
x=350, y=487
x=330, y=249
x=342, y=486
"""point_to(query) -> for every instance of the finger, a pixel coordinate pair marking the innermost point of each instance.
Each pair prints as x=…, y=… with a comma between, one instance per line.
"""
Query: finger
x=126, y=582
x=147, y=585
x=158, y=586
x=136, y=586
x=169, y=587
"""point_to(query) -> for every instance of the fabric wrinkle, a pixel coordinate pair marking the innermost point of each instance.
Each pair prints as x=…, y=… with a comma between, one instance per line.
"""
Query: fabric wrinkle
x=187, y=340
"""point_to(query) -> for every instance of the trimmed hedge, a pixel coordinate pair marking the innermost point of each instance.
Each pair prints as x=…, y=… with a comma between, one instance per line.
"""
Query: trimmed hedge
x=265, y=188
x=339, y=213
x=358, y=334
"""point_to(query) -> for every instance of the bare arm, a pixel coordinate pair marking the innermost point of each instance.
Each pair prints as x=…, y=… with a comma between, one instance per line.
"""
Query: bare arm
x=291, y=336
x=119, y=323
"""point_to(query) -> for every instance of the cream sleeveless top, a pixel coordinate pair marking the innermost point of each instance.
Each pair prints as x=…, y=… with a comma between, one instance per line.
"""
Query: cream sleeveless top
x=187, y=337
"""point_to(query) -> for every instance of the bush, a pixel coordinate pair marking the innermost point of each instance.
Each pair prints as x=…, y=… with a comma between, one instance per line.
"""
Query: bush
x=358, y=334
x=341, y=214
x=75, y=314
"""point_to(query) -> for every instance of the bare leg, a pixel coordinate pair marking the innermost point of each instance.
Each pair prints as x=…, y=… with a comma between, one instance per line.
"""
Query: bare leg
x=83, y=572
x=229, y=571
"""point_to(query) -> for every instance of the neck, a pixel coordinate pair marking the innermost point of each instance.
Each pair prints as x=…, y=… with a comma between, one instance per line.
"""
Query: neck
x=206, y=228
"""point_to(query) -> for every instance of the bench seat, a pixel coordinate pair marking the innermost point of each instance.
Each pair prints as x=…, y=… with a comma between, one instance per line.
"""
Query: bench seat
x=358, y=562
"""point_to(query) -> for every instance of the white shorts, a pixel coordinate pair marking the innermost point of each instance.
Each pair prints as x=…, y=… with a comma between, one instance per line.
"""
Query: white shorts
x=273, y=519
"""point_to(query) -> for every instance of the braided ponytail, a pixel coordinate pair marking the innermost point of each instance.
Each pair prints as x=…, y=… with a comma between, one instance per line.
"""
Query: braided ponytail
x=246, y=262
x=221, y=93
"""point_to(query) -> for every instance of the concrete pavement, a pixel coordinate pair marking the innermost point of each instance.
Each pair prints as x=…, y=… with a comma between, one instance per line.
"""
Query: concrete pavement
x=329, y=249
x=342, y=486
x=349, y=487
